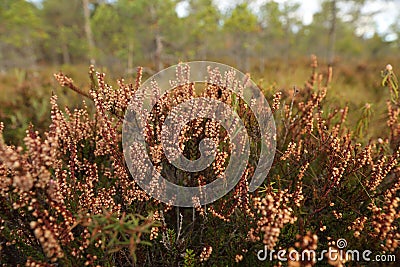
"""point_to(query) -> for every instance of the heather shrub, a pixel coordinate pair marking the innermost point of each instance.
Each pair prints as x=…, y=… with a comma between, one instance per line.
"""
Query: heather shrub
x=67, y=197
x=24, y=99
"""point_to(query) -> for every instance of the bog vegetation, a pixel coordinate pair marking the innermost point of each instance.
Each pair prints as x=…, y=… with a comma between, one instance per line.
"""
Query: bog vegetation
x=68, y=199
x=266, y=38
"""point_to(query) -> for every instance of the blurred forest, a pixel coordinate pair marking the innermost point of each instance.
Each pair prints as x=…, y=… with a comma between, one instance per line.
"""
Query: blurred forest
x=267, y=38
x=122, y=34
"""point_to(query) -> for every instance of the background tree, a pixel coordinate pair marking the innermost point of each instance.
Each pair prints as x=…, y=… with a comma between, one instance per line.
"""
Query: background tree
x=280, y=23
x=241, y=27
x=109, y=36
x=21, y=32
x=64, y=23
x=353, y=18
x=273, y=33
x=88, y=30
x=203, y=25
